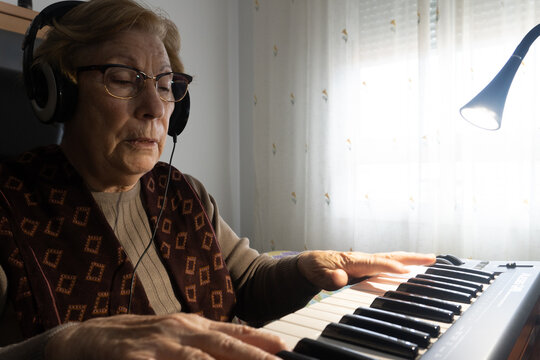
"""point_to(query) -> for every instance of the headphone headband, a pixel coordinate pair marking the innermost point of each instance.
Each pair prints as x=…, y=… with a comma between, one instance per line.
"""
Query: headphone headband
x=44, y=18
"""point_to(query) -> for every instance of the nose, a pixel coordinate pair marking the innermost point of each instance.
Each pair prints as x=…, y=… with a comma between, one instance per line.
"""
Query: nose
x=149, y=104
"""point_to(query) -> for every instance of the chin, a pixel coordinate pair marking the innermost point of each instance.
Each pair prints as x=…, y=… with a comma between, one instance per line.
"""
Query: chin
x=142, y=166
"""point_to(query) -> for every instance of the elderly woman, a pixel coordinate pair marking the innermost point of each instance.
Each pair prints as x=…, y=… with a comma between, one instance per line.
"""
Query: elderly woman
x=76, y=218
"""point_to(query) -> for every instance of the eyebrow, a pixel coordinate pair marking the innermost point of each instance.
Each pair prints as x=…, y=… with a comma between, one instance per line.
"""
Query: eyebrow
x=132, y=61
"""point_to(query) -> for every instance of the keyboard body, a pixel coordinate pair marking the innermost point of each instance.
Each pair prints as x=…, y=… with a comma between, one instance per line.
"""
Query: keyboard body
x=503, y=322
x=491, y=327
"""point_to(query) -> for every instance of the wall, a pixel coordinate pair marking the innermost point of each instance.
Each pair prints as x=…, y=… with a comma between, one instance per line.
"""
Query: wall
x=209, y=147
x=247, y=165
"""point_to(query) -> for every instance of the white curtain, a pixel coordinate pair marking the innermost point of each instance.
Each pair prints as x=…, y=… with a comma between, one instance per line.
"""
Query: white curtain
x=358, y=140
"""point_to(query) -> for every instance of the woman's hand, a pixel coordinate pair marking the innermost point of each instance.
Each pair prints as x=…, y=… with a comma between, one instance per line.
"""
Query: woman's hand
x=331, y=270
x=177, y=336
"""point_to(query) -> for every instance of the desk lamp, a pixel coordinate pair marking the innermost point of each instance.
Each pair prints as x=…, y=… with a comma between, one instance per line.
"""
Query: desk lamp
x=485, y=109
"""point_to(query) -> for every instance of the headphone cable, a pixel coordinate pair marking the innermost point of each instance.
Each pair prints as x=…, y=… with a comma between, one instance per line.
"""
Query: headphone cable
x=132, y=283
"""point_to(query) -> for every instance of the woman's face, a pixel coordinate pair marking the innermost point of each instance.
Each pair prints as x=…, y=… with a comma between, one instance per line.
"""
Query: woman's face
x=113, y=141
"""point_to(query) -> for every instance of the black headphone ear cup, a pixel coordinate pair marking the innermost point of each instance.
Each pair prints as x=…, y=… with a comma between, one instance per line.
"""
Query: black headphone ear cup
x=179, y=117
x=44, y=93
x=54, y=95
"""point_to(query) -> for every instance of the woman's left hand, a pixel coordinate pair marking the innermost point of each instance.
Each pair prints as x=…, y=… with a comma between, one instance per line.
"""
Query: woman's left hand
x=331, y=270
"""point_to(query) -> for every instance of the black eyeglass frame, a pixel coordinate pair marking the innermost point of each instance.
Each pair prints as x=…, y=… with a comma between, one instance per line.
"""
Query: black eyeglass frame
x=102, y=68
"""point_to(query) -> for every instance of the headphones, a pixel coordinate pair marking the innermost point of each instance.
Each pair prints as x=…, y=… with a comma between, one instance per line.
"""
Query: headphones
x=52, y=95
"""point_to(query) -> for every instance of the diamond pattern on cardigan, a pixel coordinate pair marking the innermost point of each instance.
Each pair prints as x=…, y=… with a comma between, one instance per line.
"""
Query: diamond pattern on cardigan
x=75, y=312
x=4, y=227
x=207, y=241
x=95, y=272
x=191, y=262
x=66, y=283
x=52, y=257
x=15, y=259
x=93, y=243
x=54, y=226
x=57, y=196
x=29, y=227
x=81, y=215
x=30, y=201
x=181, y=240
x=187, y=207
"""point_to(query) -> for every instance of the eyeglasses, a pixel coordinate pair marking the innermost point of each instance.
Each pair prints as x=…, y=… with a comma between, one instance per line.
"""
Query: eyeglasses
x=126, y=82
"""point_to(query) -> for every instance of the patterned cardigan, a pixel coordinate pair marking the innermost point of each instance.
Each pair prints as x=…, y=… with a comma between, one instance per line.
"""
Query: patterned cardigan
x=65, y=263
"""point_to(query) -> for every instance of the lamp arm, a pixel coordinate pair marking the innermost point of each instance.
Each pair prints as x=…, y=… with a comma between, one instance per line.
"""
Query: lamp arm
x=525, y=44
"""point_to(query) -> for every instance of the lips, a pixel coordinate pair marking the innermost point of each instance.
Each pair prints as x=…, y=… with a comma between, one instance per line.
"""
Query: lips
x=143, y=142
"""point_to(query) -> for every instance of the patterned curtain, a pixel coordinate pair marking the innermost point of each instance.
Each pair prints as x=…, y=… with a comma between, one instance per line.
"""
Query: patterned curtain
x=358, y=140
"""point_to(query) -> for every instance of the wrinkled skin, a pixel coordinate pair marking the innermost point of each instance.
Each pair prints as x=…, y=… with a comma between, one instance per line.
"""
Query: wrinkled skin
x=331, y=270
x=178, y=336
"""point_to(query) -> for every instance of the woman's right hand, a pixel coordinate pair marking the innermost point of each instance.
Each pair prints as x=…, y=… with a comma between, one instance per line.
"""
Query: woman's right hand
x=148, y=337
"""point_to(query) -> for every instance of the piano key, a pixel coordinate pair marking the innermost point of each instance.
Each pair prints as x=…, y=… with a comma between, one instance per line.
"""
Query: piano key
x=422, y=339
x=459, y=275
x=375, y=354
x=311, y=321
x=307, y=321
x=334, y=309
x=292, y=329
x=441, y=304
x=340, y=310
x=444, y=285
x=290, y=340
x=317, y=320
x=377, y=285
x=400, y=319
x=449, y=260
x=408, y=308
x=357, y=297
x=310, y=311
x=370, y=339
x=300, y=320
x=351, y=305
x=289, y=355
x=326, y=351
x=336, y=306
x=489, y=274
x=435, y=292
x=446, y=279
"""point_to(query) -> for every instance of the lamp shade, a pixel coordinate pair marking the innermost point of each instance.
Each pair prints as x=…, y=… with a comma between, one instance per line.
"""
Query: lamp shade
x=485, y=110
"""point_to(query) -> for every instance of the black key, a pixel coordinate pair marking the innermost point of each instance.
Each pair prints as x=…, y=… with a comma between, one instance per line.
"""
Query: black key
x=441, y=284
x=419, y=299
x=459, y=275
x=489, y=274
x=370, y=339
x=325, y=351
x=470, y=284
x=449, y=259
x=435, y=292
x=400, y=319
x=416, y=337
x=288, y=355
x=412, y=309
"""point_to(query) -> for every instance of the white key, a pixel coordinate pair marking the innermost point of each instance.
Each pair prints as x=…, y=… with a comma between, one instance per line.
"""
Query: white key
x=310, y=322
x=293, y=329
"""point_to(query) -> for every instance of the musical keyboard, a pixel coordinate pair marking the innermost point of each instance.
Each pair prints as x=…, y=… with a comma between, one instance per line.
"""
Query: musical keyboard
x=478, y=310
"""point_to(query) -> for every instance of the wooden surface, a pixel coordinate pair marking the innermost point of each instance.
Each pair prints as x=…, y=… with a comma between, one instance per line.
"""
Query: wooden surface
x=15, y=18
